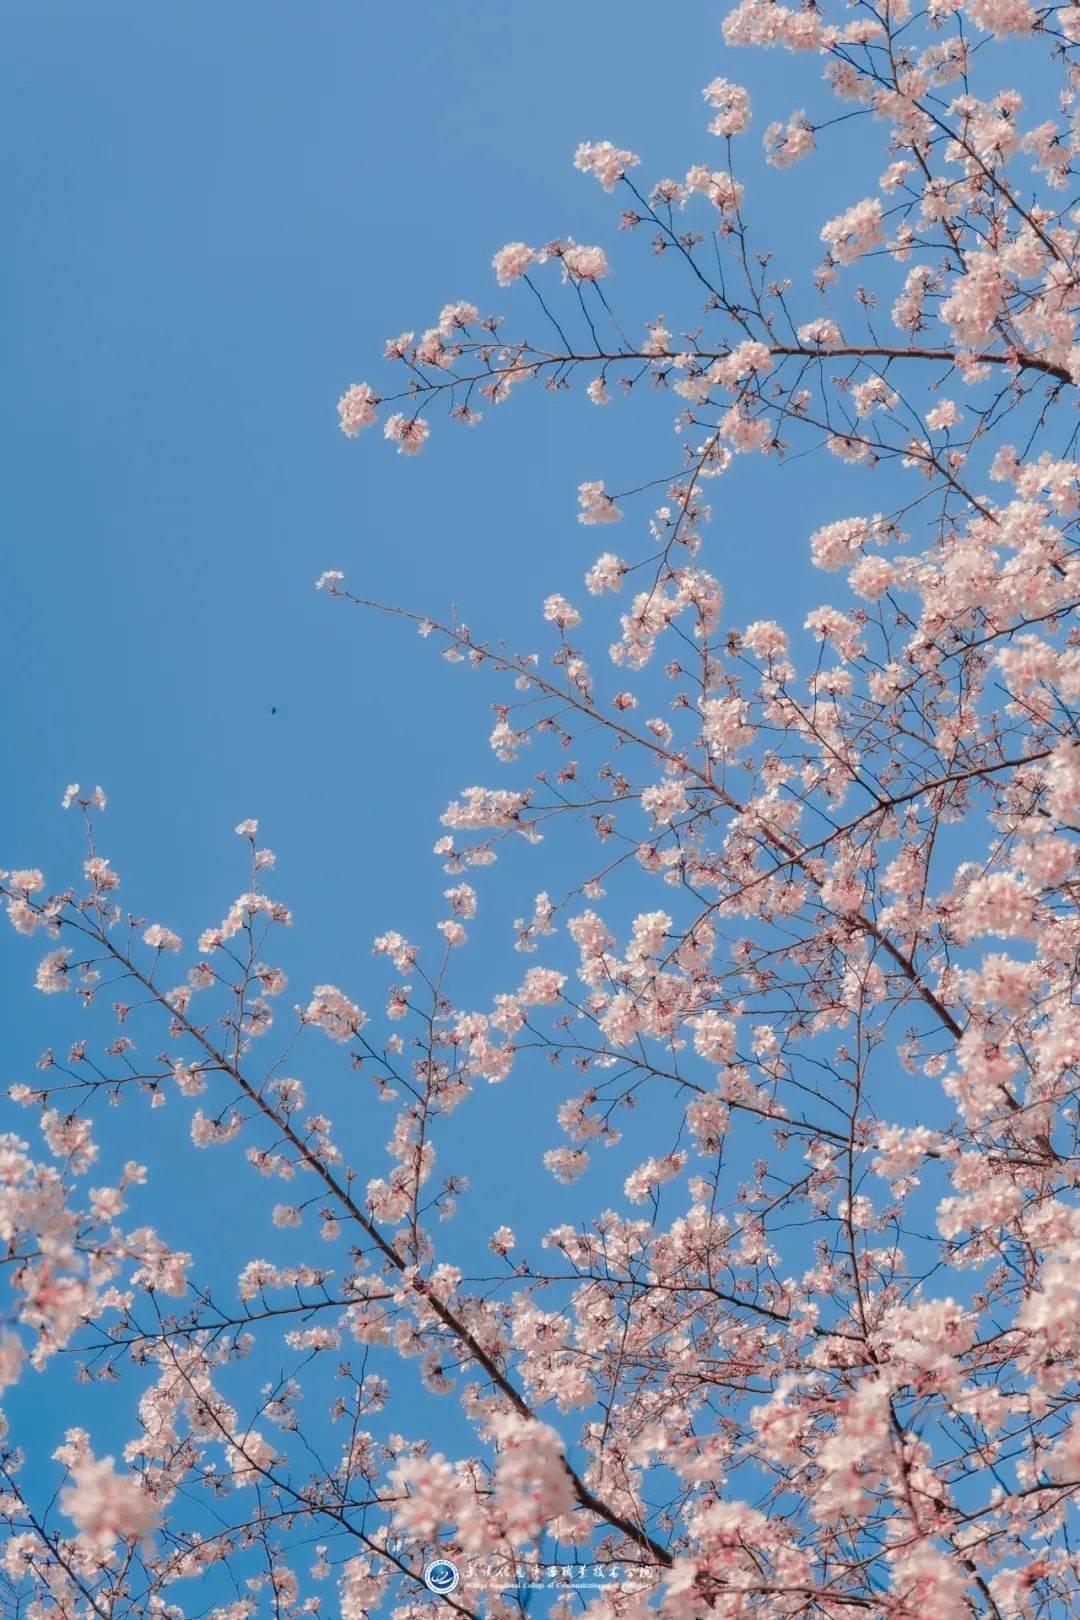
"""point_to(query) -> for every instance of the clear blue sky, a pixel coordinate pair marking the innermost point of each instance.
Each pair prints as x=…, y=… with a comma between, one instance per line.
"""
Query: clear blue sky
x=215, y=216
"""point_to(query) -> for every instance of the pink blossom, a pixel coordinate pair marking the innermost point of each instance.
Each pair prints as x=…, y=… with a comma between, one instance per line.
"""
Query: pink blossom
x=821, y=334
x=596, y=505
x=557, y=611
x=606, y=574
x=665, y=801
x=1002, y=17
x=356, y=408
x=717, y=185
x=607, y=162
x=732, y=104
x=105, y=1506
x=854, y=232
x=408, y=433
x=52, y=973
x=766, y=639
x=532, y=1485
x=333, y=1012
x=1000, y=903
x=583, y=263
x=786, y=143
x=512, y=261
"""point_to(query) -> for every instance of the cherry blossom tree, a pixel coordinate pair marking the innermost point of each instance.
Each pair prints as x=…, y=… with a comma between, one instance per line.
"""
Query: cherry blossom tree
x=819, y=1356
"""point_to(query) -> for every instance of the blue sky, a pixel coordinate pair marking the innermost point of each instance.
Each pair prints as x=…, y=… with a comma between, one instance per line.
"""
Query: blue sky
x=216, y=216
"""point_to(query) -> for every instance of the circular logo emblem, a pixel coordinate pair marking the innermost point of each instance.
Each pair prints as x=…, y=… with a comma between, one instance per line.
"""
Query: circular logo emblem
x=442, y=1576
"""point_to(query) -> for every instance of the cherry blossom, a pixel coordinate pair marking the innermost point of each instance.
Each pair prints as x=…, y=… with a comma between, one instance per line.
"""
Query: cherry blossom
x=796, y=1332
